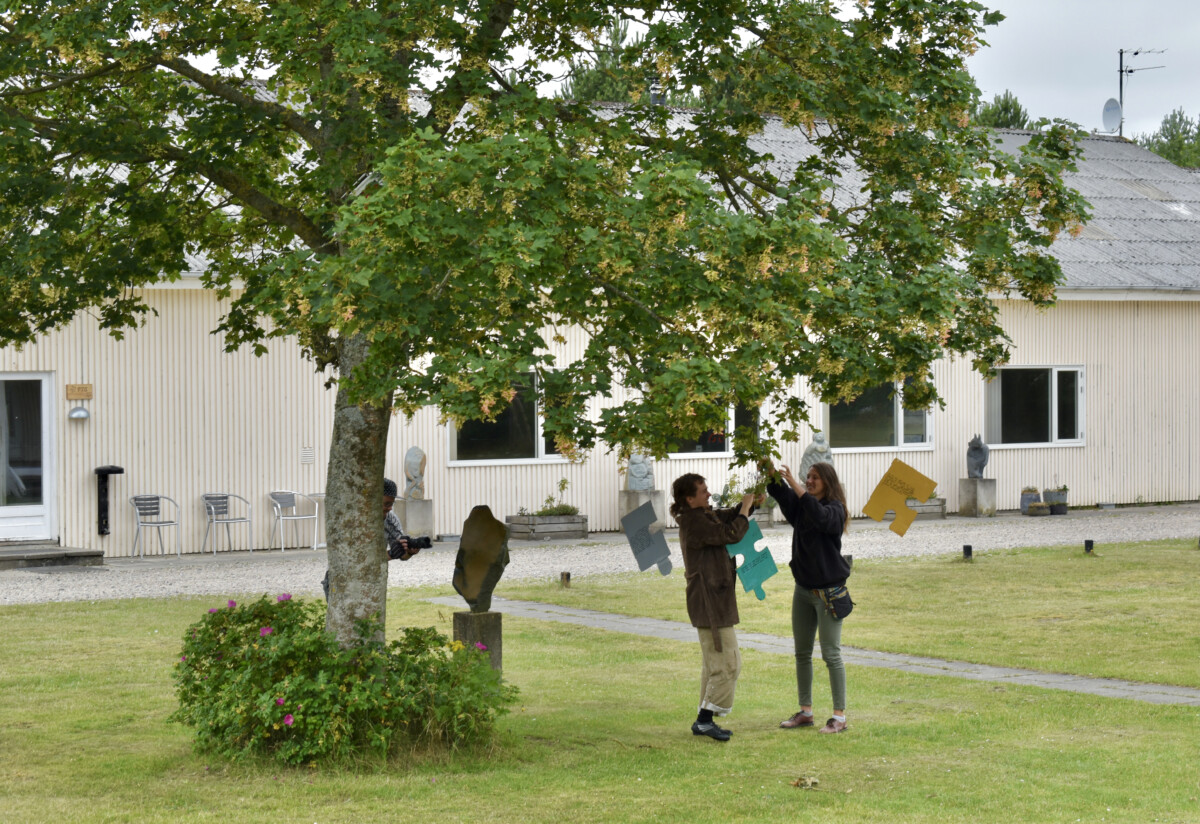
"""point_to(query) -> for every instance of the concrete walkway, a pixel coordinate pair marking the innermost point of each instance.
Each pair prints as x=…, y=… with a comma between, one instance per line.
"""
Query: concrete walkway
x=678, y=631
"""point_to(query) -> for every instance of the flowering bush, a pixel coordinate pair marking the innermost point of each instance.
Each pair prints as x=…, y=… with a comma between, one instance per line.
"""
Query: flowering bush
x=267, y=678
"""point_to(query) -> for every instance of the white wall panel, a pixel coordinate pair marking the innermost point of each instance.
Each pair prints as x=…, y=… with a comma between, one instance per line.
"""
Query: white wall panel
x=184, y=417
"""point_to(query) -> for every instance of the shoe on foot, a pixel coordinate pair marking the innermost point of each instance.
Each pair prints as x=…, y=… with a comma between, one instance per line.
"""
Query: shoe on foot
x=711, y=730
x=833, y=725
x=797, y=720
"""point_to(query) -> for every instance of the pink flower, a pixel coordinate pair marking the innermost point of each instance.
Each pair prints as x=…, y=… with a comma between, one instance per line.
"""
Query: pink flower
x=183, y=658
x=279, y=702
x=288, y=720
x=232, y=604
x=480, y=647
x=265, y=631
x=214, y=609
x=287, y=596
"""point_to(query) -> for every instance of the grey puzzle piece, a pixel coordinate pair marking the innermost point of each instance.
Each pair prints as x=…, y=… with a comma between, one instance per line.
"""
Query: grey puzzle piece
x=649, y=546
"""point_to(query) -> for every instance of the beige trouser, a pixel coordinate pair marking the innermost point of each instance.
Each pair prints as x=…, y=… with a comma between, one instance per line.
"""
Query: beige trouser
x=718, y=670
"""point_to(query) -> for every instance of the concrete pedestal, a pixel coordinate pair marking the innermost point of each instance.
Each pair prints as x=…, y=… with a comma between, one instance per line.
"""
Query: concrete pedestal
x=483, y=628
x=416, y=515
x=631, y=499
x=977, y=497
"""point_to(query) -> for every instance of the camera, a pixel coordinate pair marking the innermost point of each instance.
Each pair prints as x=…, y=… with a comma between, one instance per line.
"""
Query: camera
x=396, y=550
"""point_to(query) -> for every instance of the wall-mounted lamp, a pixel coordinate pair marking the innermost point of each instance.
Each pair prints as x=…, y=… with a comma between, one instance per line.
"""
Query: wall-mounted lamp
x=79, y=413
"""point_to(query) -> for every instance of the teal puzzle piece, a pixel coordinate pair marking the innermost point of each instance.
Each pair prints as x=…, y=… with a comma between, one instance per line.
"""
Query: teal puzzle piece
x=757, y=565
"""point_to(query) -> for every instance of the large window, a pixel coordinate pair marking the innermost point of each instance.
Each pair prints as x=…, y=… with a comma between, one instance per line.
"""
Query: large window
x=515, y=435
x=719, y=442
x=1034, y=406
x=877, y=419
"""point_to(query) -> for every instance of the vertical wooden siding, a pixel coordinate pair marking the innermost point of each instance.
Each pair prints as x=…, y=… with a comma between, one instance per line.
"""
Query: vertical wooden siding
x=184, y=417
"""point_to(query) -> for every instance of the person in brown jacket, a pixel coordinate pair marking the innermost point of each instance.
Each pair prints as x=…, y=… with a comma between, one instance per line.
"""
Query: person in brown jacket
x=711, y=596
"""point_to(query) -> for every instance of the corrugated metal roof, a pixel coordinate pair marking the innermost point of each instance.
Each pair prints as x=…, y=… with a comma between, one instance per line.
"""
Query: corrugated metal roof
x=1145, y=227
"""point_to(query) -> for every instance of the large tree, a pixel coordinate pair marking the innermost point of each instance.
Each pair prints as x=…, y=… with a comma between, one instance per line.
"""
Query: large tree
x=1004, y=112
x=1177, y=139
x=383, y=181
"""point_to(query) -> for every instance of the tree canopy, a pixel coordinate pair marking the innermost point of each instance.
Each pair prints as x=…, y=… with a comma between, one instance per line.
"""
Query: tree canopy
x=1177, y=139
x=1004, y=112
x=384, y=181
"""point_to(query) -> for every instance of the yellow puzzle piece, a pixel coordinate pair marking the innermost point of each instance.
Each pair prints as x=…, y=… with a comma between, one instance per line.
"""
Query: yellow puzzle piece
x=899, y=483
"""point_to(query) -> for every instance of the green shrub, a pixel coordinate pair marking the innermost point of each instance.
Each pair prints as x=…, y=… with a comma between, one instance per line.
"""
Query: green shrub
x=266, y=678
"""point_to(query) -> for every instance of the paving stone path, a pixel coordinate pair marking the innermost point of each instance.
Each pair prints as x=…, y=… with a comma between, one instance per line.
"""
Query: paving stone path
x=678, y=631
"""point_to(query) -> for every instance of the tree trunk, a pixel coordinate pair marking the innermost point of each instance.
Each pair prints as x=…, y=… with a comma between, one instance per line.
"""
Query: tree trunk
x=354, y=508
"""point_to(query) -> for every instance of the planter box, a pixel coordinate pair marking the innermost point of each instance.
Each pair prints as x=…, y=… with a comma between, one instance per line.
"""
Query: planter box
x=546, y=527
x=1038, y=508
x=1056, y=499
x=932, y=509
x=1028, y=498
x=765, y=517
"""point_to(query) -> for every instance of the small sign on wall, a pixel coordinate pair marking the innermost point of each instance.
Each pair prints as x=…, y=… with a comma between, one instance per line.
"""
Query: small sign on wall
x=79, y=391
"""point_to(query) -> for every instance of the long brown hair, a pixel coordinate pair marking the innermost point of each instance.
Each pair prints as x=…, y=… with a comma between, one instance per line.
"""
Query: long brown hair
x=833, y=489
x=684, y=488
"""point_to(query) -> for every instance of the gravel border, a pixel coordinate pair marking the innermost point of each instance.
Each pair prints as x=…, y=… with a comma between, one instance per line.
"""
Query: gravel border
x=300, y=571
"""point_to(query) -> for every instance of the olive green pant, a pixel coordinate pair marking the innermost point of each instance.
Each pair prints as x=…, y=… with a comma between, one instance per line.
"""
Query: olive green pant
x=810, y=617
x=718, y=670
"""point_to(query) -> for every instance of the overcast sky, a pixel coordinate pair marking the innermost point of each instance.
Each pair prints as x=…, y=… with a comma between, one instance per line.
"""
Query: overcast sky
x=1059, y=57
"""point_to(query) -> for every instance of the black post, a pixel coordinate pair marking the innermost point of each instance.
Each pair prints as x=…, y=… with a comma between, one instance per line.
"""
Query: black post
x=1087, y=545
x=966, y=552
x=102, y=473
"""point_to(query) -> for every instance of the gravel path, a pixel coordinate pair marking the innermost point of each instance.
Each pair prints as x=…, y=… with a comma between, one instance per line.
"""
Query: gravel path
x=300, y=571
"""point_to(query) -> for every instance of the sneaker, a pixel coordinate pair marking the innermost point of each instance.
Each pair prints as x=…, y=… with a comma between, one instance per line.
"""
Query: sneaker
x=797, y=720
x=833, y=726
x=711, y=730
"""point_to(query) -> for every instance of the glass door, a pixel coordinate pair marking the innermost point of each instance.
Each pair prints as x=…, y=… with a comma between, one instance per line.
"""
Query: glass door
x=26, y=494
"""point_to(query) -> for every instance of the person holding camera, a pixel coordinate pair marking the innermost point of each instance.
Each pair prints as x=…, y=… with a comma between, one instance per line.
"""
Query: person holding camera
x=711, y=596
x=819, y=516
x=399, y=546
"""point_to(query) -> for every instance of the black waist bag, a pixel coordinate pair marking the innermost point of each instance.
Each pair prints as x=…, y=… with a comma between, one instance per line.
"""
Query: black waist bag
x=837, y=601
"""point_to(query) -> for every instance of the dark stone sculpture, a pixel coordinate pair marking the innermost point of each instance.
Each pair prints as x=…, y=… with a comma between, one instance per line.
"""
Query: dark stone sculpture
x=977, y=457
x=482, y=557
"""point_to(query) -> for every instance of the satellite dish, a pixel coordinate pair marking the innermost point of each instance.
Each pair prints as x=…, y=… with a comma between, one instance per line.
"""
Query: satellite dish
x=1112, y=115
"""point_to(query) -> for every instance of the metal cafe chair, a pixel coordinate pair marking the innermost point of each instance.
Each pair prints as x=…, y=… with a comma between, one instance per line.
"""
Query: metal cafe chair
x=288, y=507
x=149, y=512
x=223, y=508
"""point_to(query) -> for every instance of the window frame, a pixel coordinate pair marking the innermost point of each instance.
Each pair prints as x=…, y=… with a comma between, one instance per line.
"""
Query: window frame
x=1080, y=407
x=539, y=439
x=898, y=411
x=730, y=425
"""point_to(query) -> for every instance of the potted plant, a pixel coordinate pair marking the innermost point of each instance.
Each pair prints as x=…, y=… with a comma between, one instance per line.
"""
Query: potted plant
x=554, y=519
x=1056, y=497
x=1029, y=495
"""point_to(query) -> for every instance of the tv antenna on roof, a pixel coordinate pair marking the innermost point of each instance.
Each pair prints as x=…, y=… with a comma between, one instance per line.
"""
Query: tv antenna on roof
x=1123, y=70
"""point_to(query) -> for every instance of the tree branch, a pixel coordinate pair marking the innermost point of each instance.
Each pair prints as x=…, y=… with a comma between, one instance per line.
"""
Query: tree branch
x=232, y=94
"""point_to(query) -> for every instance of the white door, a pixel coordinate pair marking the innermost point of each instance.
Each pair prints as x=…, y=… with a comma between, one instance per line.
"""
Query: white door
x=26, y=468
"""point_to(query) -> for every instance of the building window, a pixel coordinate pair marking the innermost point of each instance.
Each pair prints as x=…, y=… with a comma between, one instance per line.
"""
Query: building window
x=716, y=442
x=877, y=419
x=515, y=435
x=1034, y=406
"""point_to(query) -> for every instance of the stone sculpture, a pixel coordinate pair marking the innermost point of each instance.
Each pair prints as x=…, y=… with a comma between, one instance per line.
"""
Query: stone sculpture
x=482, y=557
x=977, y=457
x=640, y=476
x=414, y=472
x=817, y=452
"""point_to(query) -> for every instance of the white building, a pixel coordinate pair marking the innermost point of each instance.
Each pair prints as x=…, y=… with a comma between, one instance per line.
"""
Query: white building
x=1102, y=394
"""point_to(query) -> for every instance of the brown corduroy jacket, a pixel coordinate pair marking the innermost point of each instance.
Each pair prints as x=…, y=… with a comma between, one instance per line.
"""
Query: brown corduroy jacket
x=710, y=572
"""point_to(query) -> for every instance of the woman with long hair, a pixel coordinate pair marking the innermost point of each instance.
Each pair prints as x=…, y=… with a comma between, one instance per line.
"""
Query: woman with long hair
x=819, y=517
x=711, y=598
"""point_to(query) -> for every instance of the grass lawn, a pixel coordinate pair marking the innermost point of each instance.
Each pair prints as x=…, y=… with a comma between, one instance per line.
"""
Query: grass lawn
x=1126, y=611
x=600, y=733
